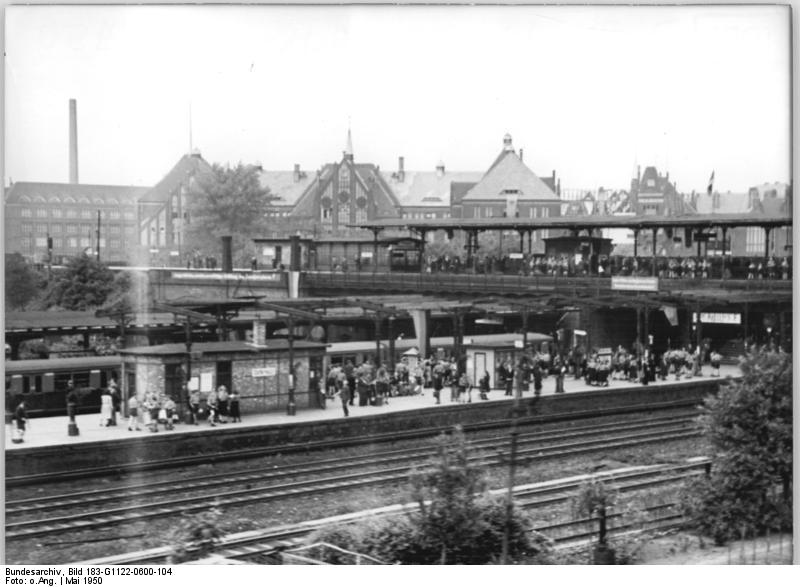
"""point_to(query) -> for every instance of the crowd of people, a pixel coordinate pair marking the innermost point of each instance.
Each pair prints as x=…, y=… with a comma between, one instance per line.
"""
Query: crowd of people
x=563, y=265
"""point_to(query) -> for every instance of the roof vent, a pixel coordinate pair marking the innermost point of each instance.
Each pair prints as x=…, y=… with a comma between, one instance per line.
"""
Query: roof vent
x=440, y=168
x=507, y=145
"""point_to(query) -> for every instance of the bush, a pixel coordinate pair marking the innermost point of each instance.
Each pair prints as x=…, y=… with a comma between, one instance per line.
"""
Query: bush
x=749, y=424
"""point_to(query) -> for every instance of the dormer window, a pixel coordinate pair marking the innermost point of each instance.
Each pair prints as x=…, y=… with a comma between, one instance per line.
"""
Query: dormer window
x=651, y=183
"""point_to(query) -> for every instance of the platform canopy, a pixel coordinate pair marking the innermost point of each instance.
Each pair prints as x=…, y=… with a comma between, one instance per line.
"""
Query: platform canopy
x=641, y=222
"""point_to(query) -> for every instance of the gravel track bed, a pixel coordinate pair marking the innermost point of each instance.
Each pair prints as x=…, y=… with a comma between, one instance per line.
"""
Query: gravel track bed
x=149, y=534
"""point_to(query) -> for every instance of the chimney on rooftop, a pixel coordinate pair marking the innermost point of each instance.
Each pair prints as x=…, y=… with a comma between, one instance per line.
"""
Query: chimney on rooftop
x=440, y=169
x=520, y=154
x=73, y=141
x=401, y=172
x=296, y=172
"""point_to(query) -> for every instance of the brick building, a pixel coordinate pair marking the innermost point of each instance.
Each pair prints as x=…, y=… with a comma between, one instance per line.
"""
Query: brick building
x=68, y=214
x=258, y=373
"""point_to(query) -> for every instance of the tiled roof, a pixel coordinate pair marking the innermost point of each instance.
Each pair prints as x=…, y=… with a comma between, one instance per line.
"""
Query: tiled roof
x=510, y=173
x=186, y=167
x=283, y=186
x=428, y=188
x=125, y=195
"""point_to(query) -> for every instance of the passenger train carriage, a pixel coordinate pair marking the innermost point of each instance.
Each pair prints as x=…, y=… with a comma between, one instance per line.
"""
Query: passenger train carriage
x=42, y=383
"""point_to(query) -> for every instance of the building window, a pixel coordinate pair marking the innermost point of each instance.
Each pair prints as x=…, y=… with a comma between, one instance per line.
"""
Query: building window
x=114, y=243
x=71, y=213
x=41, y=229
x=72, y=228
x=344, y=179
x=72, y=242
x=58, y=242
x=27, y=227
x=41, y=241
x=41, y=212
x=85, y=242
x=55, y=228
x=25, y=242
x=755, y=240
x=114, y=214
x=128, y=214
x=56, y=212
x=86, y=213
x=114, y=229
x=26, y=213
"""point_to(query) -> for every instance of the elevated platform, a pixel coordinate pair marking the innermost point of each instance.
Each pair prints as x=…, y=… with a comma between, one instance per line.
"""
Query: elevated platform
x=48, y=448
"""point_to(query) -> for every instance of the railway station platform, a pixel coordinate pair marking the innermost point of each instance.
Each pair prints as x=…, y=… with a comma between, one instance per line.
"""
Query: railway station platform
x=52, y=432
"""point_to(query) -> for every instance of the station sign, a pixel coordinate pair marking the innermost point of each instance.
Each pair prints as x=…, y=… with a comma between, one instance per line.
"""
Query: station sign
x=720, y=318
x=516, y=256
x=264, y=372
x=625, y=283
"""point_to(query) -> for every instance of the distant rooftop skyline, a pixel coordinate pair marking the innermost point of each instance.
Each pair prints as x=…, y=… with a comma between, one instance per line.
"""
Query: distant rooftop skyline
x=589, y=92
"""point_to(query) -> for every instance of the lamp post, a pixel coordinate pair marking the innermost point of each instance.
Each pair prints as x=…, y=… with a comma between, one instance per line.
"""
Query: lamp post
x=291, y=407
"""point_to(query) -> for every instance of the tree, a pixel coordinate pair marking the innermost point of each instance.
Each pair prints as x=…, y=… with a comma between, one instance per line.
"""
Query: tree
x=229, y=201
x=23, y=282
x=749, y=425
x=456, y=522
x=85, y=283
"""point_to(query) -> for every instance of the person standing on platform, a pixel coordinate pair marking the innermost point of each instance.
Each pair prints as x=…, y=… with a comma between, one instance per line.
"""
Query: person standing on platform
x=222, y=403
x=484, y=385
x=20, y=419
x=508, y=377
x=212, y=406
x=133, y=413
x=438, y=382
x=72, y=400
x=194, y=406
x=106, y=407
x=537, y=379
x=116, y=400
x=235, y=410
x=346, y=397
x=349, y=375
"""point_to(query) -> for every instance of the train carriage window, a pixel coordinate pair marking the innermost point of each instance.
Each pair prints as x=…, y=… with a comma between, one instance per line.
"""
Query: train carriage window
x=48, y=382
x=60, y=381
x=26, y=384
x=37, y=384
x=16, y=383
x=94, y=378
x=81, y=379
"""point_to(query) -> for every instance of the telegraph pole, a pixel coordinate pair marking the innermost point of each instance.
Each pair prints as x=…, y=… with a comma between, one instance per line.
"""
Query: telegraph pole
x=98, y=236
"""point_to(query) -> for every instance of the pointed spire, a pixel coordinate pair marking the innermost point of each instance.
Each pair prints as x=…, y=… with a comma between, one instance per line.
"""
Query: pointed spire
x=348, y=150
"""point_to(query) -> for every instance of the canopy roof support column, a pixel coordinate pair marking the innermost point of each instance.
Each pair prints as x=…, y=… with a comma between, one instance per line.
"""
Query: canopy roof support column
x=724, y=244
x=655, y=235
x=635, y=242
x=766, y=242
x=422, y=234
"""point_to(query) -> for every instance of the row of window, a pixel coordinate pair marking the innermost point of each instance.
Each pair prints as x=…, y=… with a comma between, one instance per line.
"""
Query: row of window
x=71, y=242
x=42, y=228
x=73, y=213
x=423, y=215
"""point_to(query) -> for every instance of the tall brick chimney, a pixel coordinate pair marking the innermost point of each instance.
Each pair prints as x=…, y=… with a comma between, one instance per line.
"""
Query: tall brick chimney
x=401, y=172
x=73, y=141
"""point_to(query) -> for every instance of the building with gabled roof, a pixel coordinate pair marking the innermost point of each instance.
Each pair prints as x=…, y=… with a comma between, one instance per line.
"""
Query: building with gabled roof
x=67, y=213
x=336, y=196
x=509, y=188
x=163, y=212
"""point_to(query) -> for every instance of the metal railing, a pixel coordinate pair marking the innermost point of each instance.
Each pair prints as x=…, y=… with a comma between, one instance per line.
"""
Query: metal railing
x=508, y=284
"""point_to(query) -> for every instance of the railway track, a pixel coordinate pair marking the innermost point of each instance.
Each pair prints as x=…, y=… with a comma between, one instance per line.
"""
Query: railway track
x=283, y=449
x=264, y=546
x=327, y=475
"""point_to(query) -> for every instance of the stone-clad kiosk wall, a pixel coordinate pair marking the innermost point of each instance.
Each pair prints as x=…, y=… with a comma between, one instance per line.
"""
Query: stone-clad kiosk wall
x=259, y=374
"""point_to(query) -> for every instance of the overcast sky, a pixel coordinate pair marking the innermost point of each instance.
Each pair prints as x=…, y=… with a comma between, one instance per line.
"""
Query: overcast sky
x=586, y=91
